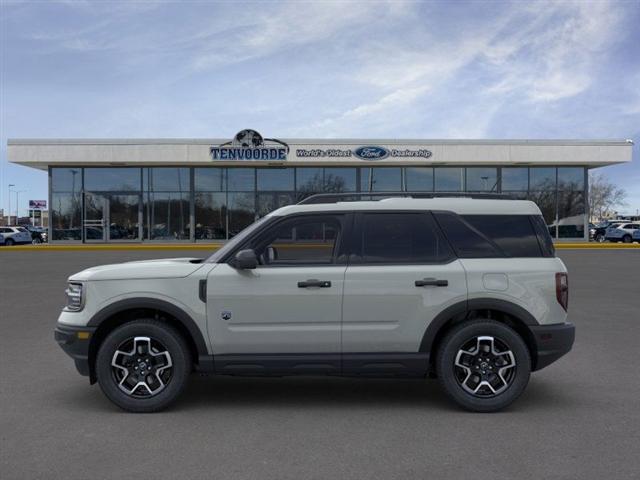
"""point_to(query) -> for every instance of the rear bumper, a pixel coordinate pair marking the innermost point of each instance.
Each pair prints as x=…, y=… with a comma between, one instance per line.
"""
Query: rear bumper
x=552, y=342
x=75, y=343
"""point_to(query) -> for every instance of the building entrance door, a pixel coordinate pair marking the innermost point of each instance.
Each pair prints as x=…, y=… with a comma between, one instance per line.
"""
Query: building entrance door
x=112, y=217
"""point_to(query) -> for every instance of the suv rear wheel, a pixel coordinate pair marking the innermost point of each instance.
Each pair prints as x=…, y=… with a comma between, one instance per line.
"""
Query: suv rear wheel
x=483, y=365
x=143, y=366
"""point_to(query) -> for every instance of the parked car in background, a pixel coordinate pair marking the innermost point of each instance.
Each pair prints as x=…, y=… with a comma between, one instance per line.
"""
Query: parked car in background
x=38, y=234
x=599, y=231
x=622, y=232
x=15, y=235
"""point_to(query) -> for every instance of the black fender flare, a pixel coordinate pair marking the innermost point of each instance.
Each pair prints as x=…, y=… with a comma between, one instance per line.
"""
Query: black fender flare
x=458, y=311
x=154, y=304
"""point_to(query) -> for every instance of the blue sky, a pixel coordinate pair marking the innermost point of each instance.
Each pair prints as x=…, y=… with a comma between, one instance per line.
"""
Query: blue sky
x=319, y=69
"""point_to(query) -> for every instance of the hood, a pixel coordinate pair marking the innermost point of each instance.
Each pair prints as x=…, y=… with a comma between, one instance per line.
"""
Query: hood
x=163, y=268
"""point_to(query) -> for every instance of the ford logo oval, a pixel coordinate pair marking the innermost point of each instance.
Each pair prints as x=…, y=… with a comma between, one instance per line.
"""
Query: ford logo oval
x=371, y=153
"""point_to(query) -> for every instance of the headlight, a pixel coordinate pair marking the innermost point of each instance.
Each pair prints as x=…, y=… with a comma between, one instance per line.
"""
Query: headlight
x=74, y=297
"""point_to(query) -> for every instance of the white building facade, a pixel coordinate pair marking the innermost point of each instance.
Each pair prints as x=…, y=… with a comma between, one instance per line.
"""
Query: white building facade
x=191, y=190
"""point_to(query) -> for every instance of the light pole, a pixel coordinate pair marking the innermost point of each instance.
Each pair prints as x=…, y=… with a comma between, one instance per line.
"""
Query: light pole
x=18, y=192
x=9, y=212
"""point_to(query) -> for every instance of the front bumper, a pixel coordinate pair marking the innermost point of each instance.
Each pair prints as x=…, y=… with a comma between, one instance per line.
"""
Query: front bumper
x=552, y=342
x=75, y=343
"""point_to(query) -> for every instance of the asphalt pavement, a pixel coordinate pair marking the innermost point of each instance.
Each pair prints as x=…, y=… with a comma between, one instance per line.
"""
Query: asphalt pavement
x=578, y=419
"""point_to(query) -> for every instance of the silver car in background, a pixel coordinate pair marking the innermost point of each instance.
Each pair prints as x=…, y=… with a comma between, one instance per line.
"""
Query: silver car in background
x=15, y=235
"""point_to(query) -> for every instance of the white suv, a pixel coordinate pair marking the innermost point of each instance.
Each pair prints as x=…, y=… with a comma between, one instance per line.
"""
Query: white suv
x=622, y=232
x=15, y=235
x=464, y=289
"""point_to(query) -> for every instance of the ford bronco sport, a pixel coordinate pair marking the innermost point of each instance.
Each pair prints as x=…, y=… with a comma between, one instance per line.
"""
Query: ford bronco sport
x=463, y=289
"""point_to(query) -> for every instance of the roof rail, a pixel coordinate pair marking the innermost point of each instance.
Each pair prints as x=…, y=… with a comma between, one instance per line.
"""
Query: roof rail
x=360, y=196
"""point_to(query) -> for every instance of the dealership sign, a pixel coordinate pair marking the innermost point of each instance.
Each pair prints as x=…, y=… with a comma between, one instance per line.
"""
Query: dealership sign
x=250, y=145
x=365, y=152
x=38, y=204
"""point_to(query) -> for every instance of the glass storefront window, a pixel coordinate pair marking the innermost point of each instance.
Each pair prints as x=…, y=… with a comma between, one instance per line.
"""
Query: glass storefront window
x=66, y=180
x=209, y=179
x=546, y=201
x=542, y=178
x=66, y=217
x=337, y=180
x=309, y=181
x=515, y=178
x=418, y=179
x=275, y=179
x=166, y=179
x=571, y=178
x=167, y=216
x=210, y=216
x=481, y=179
x=241, y=211
x=241, y=179
x=449, y=179
x=268, y=202
x=112, y=179
x=571, y=214
x=381, y=179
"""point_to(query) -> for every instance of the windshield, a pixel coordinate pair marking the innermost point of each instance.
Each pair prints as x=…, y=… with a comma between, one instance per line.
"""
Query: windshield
x=235, y=241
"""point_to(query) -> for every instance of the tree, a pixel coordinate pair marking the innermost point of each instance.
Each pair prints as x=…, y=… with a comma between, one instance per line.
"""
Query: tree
x=604, y=196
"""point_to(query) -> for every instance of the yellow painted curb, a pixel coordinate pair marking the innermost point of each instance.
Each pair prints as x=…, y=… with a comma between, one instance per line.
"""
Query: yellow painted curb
x=598, y=246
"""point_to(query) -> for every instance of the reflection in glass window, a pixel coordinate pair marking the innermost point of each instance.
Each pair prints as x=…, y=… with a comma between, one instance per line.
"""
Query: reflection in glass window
x=268, y=202
x=381, y=179
x=571, y=214
x=542, y=178
x=418, y=179
x=209, y=179
x=309, y=181
x=570, y=178
x=210, y=216
x=516, y=178
x=241, y=179
x=337, y=180
x=241, y=211
x=167, y=216
x=166, y=179
x=449, y=179
x=66, y=179
x=546, y=201
x=112, y=179
x=275, y=179
x=480, y=179
x=65, y=216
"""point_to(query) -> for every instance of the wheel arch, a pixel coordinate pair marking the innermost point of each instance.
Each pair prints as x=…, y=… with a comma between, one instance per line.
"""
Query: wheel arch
x=502, y=311
x=124, y=311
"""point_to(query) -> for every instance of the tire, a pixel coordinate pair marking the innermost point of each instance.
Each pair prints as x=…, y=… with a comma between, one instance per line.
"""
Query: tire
x=164, y=377
x=36, y=241
x=493, y=392
x=626, y=239
x=9, y=242
x=599, y=238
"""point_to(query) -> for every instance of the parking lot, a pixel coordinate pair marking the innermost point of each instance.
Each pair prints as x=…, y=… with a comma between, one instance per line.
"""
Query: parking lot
x=579, y=418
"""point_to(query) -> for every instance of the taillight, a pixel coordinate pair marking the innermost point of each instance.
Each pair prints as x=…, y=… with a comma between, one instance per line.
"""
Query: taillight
x=562, y=289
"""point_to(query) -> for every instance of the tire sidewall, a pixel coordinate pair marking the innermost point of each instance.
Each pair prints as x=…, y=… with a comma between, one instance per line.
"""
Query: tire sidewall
x=462, y=334
x=172, y=341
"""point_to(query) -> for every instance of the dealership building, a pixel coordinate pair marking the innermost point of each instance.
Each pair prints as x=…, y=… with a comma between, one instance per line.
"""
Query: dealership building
x=198, y=190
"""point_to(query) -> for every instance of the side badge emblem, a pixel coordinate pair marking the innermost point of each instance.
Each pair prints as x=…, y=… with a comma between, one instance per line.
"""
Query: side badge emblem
x=225, y=315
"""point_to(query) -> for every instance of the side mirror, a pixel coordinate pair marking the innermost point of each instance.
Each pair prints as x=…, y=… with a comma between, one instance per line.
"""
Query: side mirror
x=272, y=254
x=245, y=260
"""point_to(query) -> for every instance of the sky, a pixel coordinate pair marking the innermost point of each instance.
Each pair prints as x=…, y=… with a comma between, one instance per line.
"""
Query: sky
x=373, y=69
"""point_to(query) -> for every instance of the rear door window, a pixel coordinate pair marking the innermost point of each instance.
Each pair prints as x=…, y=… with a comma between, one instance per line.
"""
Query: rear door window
x=467, y=241
x=401, y=238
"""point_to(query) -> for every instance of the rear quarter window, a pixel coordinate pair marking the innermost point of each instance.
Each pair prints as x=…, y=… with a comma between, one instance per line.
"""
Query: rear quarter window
x=486, y=236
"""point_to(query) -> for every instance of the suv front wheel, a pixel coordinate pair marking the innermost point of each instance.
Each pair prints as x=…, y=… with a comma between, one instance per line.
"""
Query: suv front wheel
x=143, y=366
x=483, y=365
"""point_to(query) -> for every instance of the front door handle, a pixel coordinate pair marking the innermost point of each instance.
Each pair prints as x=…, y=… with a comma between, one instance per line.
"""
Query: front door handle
x=314, y=283
x=432, y=282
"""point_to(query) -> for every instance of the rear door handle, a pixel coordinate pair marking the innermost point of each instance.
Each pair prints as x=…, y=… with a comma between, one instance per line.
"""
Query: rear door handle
x=314, y=283
x=432, y=282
